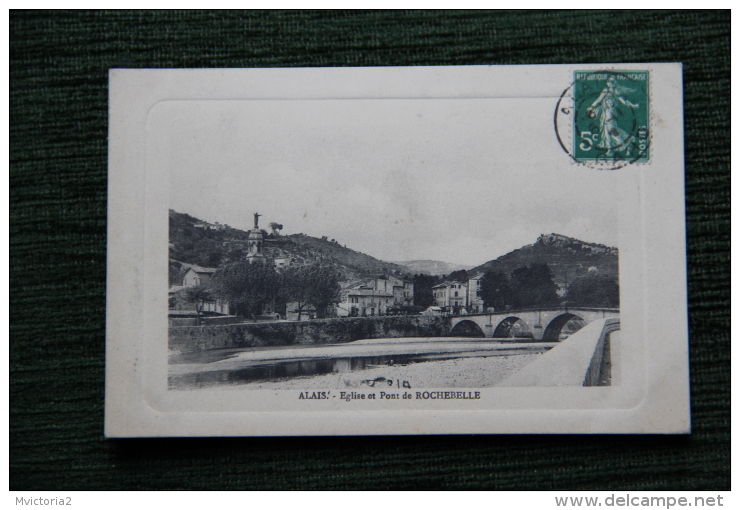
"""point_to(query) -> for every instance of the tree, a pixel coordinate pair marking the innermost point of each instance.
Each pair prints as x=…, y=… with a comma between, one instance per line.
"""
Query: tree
x=423, y=294
x=276, y=228
x=198, y=296
x=212, y=257
x=313, y=285
x=599, y=291
x=460, y=275
x=325, y=288
x=495, y=290
x=247, y=286
x=175, y=273
x=532, y=287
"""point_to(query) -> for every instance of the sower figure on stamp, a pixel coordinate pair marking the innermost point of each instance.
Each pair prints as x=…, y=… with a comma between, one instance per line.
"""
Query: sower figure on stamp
x=612, y=137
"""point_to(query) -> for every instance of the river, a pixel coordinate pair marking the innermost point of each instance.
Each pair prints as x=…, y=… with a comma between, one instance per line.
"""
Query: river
x=402, y=362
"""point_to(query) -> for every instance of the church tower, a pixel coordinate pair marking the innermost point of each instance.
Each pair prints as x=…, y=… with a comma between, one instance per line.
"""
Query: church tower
x=256, y=242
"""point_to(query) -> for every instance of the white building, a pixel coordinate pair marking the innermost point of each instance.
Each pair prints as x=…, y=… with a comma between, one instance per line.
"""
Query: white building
x=281, y=262
x=456, y=296
x=374, y=296
x=196, y=275
x=475, y=302
x=451, y=295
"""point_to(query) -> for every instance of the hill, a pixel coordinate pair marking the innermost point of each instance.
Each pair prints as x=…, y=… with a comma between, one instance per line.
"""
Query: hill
x=568, y=258
x=194, y=241
x=354, y=262
x=431, y=267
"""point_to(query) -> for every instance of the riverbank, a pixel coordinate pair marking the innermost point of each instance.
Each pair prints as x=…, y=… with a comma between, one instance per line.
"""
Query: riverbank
x=314, y=332
x=419, y=362
x=474, y=372
x=229, y=359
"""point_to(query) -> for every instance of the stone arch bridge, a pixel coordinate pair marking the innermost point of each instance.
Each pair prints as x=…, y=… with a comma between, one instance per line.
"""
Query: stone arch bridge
x=545, y=324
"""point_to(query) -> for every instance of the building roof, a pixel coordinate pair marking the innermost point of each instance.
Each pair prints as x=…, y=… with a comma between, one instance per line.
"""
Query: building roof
x=447, y=284
x=348, y=284
x=199, y=269
x=370, y=281
x=368, y=292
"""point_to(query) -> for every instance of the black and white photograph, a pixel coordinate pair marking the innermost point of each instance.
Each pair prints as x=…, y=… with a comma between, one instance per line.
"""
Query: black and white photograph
x=394, y=245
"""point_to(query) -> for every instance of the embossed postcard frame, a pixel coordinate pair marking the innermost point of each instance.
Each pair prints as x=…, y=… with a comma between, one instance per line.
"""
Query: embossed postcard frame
x=378, y=148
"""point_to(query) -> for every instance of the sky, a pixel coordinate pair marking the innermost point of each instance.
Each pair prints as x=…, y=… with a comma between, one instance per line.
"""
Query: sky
x=457, y=180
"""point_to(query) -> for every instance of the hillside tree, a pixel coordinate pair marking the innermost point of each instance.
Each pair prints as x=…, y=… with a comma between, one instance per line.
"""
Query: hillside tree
x=461, y=275
x=276, y=228
x=598, y=291
x=533, y=287
x=423, y=294
x=314, y=286
x=495, y=290
x=197, y=297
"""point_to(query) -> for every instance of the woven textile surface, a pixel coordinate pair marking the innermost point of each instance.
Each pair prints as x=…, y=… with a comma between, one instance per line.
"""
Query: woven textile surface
x=59, y=65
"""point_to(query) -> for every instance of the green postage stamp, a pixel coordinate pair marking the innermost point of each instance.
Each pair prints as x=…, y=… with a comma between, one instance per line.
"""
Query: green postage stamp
x=612, y=116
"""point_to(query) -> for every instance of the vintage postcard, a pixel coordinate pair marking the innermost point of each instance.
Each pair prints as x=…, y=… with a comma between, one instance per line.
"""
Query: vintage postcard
x=427, y=250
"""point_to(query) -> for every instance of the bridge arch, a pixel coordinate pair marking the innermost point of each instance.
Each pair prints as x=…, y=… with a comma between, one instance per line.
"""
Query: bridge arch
x=555, y=327
x=504, y=327
x=467, y=328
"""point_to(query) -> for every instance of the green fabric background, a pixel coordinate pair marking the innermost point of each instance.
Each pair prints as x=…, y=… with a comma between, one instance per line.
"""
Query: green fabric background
x=58, y=146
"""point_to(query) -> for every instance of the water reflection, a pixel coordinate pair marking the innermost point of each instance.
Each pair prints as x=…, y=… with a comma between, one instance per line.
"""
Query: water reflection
x=288, y=369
